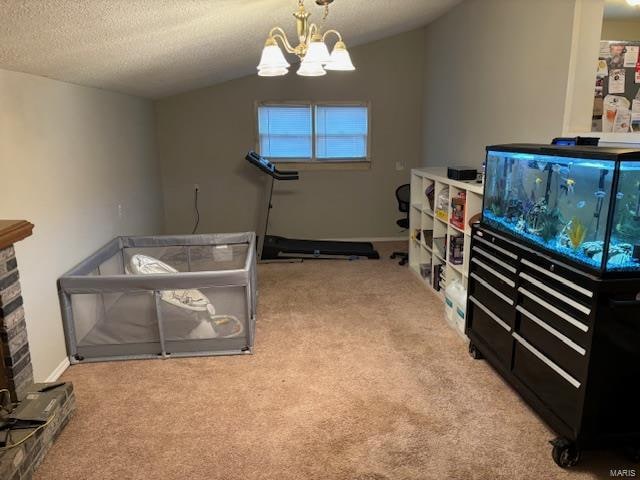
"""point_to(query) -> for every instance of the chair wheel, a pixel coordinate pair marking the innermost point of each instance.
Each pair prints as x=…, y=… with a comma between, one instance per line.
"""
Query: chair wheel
x=565, y=453
x=393, y=256
x=474, y=352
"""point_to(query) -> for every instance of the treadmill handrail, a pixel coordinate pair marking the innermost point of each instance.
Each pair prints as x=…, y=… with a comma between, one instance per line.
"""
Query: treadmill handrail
x=269, y=168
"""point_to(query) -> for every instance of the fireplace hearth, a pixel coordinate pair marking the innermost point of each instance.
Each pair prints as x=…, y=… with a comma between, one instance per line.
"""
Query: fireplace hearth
x=22, y=449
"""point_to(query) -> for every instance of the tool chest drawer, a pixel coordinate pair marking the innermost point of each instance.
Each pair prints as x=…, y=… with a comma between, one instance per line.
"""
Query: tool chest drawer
x=499, y=303
x=493, y=275
x=559, y=390
x=558, y=347
x=492, y=329
x=555, y=315
x=497, y=246
x=560, y=289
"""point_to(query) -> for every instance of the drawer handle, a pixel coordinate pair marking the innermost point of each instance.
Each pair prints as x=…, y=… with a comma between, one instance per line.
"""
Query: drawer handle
x=493, y=316
x=494, y=259
x=546, y=361
x=555, y=310
x=552, y=331
x=564, y=281
x=578, y=306
x=496, y=247
x=506, y=280
x=624, y=303
x=486, y=285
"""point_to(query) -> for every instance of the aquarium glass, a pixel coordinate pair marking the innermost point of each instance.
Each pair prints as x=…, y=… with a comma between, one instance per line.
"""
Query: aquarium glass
x=558, y=203
x=624, y=245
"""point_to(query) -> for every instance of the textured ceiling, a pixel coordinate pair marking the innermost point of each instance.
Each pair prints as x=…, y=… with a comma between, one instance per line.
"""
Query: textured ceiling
x=620, y=10
x=156, y=48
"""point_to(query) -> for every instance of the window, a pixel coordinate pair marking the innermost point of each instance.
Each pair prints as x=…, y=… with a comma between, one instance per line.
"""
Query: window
x=314, y=132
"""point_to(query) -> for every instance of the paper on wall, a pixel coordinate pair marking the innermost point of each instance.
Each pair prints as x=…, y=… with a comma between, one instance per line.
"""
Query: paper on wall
x=622, y=122
x=616, y=80
x=631, y=56
x=616, y=55
x=635, y=106
x=603, y=69
x=611, y=105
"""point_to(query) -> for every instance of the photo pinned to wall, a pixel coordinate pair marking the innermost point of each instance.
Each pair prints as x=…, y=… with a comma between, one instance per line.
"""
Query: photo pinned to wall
x=617, y=88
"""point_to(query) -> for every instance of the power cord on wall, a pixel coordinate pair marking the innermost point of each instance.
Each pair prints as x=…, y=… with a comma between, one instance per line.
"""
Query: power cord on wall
x=195, y=206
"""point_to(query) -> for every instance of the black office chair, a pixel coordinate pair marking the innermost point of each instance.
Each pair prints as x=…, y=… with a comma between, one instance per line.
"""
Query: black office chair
x=403, y=195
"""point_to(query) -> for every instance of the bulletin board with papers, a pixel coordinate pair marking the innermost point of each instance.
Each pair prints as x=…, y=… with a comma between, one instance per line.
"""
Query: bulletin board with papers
x=616, y=104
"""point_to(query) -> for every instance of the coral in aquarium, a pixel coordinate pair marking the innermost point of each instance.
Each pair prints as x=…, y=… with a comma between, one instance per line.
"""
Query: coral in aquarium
x=496, y=208
x=576, y=232
x=550, y=221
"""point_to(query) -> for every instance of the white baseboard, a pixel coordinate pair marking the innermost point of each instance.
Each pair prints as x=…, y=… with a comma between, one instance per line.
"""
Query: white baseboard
x=58, y=371
x=370, y=239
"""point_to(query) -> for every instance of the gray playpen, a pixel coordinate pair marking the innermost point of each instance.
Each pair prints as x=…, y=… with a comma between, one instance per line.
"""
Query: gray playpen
x=160, y=296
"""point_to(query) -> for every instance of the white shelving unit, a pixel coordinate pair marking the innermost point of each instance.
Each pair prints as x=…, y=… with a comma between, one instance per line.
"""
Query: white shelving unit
x=422, y=218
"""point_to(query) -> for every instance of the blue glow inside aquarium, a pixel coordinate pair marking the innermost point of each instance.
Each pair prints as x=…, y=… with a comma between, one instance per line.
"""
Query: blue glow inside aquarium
x=562, y=204
x=624, y=245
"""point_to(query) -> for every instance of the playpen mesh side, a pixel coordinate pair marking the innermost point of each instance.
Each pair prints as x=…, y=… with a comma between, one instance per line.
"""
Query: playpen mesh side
x=126, y=309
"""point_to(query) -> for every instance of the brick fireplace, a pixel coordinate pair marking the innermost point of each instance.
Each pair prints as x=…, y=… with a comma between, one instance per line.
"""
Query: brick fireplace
x=16, y=373
x=25, y=448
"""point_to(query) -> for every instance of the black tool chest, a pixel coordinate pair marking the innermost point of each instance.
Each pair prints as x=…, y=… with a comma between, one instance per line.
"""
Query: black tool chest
x=566, y=340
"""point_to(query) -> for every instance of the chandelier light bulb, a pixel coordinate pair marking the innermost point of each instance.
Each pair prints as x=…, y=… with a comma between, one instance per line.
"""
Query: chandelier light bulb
x=311, y=69
x=272, y=72
x=272, y=57
x=340, y=59
x=318, y=51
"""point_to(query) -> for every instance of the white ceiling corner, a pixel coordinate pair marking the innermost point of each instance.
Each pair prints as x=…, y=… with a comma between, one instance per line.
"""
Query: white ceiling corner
x=156, y=48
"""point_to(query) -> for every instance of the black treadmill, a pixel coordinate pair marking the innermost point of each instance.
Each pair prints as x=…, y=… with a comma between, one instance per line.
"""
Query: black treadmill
x=274, y=248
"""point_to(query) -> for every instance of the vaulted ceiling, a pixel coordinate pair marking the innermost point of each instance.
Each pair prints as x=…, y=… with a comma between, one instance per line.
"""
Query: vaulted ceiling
x=156, y=48
x=620, y=10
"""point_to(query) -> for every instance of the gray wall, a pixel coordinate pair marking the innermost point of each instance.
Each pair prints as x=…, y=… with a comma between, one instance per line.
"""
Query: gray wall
x=496, y=72
x=69, y=155
x=204, y=135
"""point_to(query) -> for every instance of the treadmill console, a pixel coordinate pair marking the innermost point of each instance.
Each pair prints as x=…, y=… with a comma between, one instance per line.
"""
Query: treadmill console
x=269, y=168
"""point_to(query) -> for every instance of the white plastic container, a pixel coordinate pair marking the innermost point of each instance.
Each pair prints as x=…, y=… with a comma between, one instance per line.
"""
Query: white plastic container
x=456, y=304
x=460, y=307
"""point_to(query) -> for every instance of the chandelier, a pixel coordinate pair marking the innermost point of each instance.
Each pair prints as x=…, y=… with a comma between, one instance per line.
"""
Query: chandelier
x=312, y=50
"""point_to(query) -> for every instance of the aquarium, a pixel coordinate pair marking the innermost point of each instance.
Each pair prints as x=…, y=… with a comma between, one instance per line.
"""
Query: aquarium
x=579, y=203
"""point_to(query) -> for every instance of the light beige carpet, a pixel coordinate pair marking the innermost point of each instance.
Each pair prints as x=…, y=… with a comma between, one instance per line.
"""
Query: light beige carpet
x=355, y=376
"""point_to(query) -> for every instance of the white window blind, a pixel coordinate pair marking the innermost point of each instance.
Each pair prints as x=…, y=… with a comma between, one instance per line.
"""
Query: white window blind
x=341, y=132
x=314, y=131
x=285, y=131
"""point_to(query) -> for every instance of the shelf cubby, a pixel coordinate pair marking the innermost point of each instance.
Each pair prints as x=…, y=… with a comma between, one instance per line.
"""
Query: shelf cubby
x=426, y=217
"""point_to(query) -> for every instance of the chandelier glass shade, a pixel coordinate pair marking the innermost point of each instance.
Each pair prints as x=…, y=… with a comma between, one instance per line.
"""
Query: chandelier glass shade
x=312, y=49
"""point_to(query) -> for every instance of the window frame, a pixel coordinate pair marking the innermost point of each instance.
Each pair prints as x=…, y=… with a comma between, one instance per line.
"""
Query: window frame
x=314, y=163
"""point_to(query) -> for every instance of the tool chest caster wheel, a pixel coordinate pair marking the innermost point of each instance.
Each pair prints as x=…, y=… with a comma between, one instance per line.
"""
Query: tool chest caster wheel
x=565, y=453
x=474, y=352
x=633, y=453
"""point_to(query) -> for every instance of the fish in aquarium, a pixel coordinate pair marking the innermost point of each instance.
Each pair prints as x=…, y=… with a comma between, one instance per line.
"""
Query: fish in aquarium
x=568, y=186
x=562, y=204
